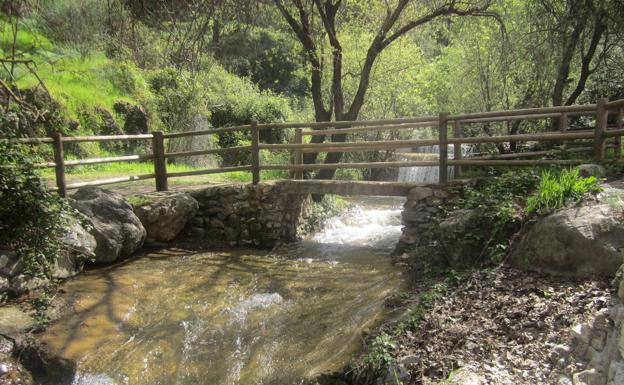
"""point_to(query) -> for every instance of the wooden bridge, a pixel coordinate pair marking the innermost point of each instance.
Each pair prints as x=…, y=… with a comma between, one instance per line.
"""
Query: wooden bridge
x=593, y=139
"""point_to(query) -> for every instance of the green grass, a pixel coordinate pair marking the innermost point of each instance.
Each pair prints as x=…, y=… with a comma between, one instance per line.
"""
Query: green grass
x=76, y=82
x=113, y=170
x=556, y=190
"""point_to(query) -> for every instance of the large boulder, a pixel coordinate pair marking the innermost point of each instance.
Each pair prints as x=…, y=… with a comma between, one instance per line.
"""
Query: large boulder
x=164, y=215
x=583, y=241
x=117, y=230
x=77, y=247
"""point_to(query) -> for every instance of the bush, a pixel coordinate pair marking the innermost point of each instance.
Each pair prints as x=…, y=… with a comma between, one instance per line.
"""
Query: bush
x=78, y=23
x=32, y=219
x=555, y=191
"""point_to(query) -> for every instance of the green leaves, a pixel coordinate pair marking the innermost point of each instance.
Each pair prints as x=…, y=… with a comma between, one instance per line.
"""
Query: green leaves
x=555, y=191
x=32, y=219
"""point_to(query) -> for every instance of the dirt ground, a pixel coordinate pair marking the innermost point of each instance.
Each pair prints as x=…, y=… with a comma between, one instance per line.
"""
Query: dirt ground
x=511, y=327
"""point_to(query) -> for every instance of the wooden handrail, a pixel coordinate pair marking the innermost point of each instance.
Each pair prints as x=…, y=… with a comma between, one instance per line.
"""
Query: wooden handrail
x=597, y=137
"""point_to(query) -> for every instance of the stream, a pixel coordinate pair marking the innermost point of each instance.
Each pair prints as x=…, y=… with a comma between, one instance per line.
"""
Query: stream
x=236, y=317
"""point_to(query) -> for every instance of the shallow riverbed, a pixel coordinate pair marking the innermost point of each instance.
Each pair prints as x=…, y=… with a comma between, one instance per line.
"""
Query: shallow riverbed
x=237, y=317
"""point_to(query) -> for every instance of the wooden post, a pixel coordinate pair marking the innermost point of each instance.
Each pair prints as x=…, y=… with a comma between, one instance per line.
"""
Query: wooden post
x=442, y=135
x=618, y=139
x=255, y=153
x=563, y=126
x=160, y=164
x=601, y=126
x=60, y=164
x=457, y=151
x=298, y=153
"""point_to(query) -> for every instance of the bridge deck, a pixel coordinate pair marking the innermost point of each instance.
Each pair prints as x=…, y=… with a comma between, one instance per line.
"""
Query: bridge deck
x=338, y=187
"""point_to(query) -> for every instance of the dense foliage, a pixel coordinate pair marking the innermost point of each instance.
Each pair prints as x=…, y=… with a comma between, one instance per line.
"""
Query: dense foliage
x=32, y=219
x=234, y=61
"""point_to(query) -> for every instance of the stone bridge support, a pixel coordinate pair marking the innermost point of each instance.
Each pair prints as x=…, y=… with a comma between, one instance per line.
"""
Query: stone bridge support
x=423, y=204
x=247, y=215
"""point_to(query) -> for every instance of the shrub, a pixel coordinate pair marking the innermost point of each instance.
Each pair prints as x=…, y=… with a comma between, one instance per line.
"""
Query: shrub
x=32, y=219
x=555, y=191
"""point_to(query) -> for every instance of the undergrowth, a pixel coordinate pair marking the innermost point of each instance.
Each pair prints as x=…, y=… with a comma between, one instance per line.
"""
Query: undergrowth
x=556, y=190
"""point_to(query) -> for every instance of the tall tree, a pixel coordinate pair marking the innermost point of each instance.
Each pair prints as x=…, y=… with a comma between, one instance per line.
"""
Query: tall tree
x=316, y=24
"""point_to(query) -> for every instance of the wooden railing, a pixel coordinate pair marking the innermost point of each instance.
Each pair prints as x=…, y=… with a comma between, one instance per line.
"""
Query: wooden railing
x=598, y=136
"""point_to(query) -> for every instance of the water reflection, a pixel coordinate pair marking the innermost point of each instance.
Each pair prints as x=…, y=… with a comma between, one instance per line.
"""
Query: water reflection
x=237, y=317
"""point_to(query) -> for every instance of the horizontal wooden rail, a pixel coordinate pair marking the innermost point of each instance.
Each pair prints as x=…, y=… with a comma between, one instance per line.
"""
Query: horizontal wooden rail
x=403, y=126
x=613, y=133
x=112, y=159
x=27, y=140
x=525, y=111
x=525, y=117
x=206, y=152
x=101, y=182
x=615, y=104
x=387, y=144
x=208, y=171
x=349, y=165
x=210, y=131
x=420, y=119
x=521, y=138
x=529, y=154
x=106, y=138
x=507, y=162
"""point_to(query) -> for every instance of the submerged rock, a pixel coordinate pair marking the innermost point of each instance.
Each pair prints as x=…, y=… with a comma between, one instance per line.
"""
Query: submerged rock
x=117, y=230
x=165, y=215
x=582, y=241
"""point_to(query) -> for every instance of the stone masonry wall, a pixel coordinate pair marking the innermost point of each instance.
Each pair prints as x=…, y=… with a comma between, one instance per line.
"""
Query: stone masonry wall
x=247, y=215
x=424, y=203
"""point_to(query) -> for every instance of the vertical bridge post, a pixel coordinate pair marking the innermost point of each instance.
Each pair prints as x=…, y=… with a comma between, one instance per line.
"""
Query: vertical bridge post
x=618, y=139
x=160, y=164
x=59, y=161
x=442, y=135
x=255, y=153
x=601, y=126
x=563, y=127
x=298, y=153
x=457, y=152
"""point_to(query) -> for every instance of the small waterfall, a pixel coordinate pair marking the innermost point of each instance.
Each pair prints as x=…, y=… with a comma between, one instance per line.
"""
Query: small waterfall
x=421, y=174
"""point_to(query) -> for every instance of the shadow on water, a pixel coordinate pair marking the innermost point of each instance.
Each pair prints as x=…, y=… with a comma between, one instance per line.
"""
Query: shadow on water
x=239, y=316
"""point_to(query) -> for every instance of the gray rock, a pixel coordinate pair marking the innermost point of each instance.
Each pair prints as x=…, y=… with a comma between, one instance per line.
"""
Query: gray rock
x=467, y=376
x=4, y=284
x=78, y=246
x=588, y=377
x=166, y=214
x=459, y=249
x=587, y=170
x=10, y=264
x=13, y=321
x=419, y=193
x=582, y=241
x=23, y=283
x=117, y=230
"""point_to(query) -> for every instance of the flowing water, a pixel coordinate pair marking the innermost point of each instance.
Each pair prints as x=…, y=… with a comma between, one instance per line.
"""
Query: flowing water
x=237, y=317
x=421, y=174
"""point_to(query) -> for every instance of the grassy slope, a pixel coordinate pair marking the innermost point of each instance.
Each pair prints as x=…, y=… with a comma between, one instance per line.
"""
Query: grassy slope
x=82, y=84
